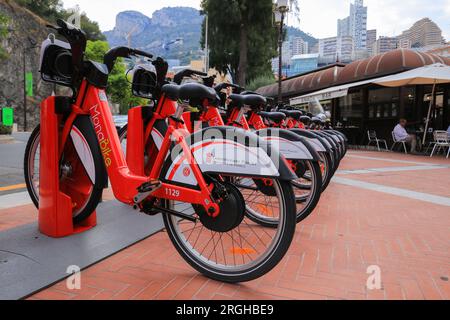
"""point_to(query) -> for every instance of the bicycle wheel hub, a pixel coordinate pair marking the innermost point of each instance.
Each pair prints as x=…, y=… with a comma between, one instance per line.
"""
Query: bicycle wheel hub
x=232, y=212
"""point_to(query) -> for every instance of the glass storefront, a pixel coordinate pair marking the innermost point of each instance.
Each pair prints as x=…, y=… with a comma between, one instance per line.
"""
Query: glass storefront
x=384, y=103
x=352, y=109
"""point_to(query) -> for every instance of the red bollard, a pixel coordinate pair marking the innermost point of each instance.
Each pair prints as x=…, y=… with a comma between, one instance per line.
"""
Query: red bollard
x=55, y=207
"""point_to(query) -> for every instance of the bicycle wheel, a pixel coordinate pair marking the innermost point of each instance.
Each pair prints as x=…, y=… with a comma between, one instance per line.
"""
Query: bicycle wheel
x=307, y=191
x=326, y=169
x=245, y=250
x=307, y=188
x=73, y=178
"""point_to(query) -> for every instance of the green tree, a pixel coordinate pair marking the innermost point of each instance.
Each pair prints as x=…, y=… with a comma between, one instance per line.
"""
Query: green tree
x=47, y=9
x=91, y=28
x=3, y=33
x=242, y=37
x=119, y=87
x=261, y=81
x=51, y=10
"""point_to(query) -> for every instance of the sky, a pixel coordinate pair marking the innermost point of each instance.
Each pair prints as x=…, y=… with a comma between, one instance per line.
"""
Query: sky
x=317, y=17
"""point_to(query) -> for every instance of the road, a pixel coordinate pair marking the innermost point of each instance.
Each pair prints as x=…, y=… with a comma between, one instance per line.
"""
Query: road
x=11, y=165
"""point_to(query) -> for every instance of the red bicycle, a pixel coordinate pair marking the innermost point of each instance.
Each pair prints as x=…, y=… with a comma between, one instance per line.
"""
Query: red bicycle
x=301, y=157
x=190, y=179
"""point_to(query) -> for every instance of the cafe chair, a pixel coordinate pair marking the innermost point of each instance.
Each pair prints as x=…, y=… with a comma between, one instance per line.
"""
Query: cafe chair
x=397, y=142
x=372, y=135
x=441, y=141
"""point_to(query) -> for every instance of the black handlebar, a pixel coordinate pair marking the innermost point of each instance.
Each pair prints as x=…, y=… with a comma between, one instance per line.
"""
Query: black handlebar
x=77, y=40
x=186, y=73
x=141, y=53
x=222, y=86
x=122, y=52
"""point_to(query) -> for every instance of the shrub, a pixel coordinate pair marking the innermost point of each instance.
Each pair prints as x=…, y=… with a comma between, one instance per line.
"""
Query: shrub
x=5, y=129
x=261, y=81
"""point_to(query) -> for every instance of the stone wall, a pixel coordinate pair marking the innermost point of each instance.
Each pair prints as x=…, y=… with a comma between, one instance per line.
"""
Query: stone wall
x=25, y=25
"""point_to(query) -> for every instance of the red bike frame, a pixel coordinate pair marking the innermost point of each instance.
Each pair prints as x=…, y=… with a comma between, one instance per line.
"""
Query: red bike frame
x=125, y=182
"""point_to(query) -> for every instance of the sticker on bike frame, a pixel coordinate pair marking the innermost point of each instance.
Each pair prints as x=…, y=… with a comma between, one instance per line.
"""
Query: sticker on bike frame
x=292, y=150
x=223, y=156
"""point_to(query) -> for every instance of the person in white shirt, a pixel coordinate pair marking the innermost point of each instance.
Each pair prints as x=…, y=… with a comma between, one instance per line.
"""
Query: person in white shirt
x=401, y=134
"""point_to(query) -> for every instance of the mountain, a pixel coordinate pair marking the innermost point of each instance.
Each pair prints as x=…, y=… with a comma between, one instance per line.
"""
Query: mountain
x=294, y=32
x=167, y=25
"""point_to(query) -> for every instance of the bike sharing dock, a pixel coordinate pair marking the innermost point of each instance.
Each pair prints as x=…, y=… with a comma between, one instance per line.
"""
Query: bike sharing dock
x=37, y=255
x=378, y=213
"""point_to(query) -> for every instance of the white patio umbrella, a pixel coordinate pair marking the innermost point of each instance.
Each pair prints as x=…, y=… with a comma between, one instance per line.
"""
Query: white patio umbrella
x=434, y=74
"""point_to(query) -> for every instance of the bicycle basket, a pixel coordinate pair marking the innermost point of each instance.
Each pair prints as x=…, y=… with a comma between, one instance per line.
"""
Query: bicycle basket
x=144, y=83
x=56, y=62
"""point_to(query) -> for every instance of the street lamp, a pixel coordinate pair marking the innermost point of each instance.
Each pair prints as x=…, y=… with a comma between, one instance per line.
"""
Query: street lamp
x=280, y=10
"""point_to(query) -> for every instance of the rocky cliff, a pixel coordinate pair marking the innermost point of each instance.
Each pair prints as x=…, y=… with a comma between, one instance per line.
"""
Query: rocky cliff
x=26, y=30
x=164, y=26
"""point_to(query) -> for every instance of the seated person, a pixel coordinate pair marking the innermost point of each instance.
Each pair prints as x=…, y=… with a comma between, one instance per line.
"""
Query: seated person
x=402, y=135
x=448, y=131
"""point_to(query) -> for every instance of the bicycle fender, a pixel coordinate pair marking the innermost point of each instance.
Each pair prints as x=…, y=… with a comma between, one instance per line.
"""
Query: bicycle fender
x=328, y=140
x=340, y=134
x=291, y=145
x=335, y=137
x=228, y=150
x=319, y=144
x=83, y=128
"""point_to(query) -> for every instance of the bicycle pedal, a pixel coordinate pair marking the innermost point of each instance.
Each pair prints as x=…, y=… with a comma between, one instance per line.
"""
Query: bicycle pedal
x=146, y=189
x=149, y=186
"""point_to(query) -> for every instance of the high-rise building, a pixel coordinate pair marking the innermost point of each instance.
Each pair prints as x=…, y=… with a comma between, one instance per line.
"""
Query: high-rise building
x=287, y=53
x=423, y=33
x=358, y=24
x=345, y=49
x=355, y=25
x=344, y=27
x=384, y=44
x=404, y=43
x=286, y=58
x=328, y=50
x=371, y=38
x=336, y=49
x=298, y=46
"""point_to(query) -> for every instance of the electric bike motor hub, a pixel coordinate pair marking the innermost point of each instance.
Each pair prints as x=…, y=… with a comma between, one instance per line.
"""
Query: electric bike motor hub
x=232, y=211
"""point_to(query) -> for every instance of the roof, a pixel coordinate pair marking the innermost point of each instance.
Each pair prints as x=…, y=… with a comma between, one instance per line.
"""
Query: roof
x=384, y=64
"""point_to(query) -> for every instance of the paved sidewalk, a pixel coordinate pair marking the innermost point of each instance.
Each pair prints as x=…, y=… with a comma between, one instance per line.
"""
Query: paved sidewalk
x=403, y=228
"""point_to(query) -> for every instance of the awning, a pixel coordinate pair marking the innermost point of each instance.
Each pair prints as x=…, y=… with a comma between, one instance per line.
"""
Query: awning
x=433, y=74
x=329, y=93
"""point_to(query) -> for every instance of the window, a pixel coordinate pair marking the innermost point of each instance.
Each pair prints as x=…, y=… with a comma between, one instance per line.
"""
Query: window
x=351, y=107
x=383, y=103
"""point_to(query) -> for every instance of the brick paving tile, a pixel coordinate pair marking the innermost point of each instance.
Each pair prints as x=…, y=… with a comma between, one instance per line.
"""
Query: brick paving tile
x=17, y=216
x=350, y=230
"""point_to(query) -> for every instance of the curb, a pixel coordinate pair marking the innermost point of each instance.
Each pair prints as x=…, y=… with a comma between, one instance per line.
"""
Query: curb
x=4, y=139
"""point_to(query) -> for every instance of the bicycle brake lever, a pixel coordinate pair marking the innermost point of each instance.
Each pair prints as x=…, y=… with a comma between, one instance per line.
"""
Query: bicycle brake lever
x=49, y=26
